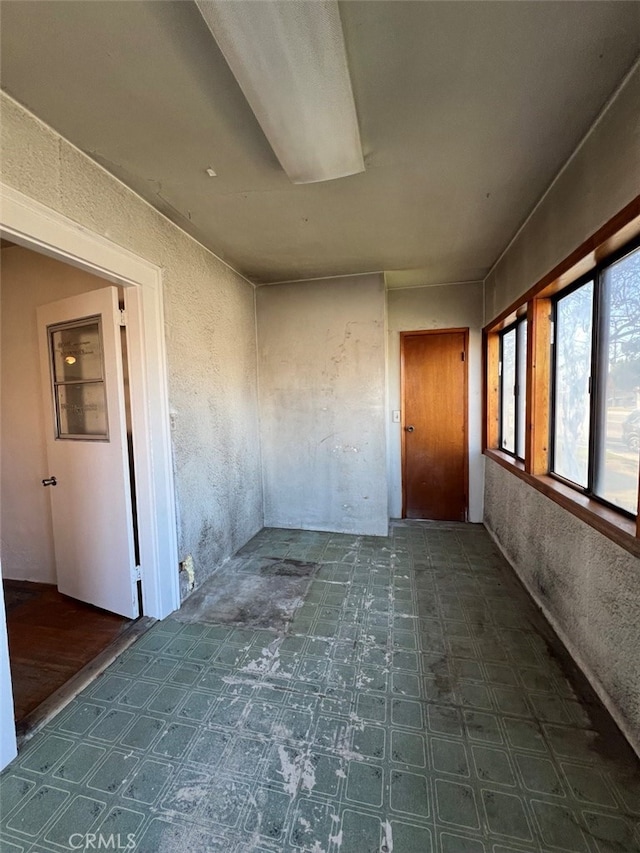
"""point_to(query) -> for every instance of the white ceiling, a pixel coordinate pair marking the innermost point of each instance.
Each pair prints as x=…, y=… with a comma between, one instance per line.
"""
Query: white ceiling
x=467, y=111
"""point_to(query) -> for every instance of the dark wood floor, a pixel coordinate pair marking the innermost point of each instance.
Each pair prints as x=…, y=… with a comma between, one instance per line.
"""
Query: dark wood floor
x=51, y=637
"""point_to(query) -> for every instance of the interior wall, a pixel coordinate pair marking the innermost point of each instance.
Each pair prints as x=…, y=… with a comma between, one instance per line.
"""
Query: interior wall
x=28, y=280
x=587, y=586
x=210, y=336
x=585, y=583
x=321, y=348
x=448, y=306
x=597, y=182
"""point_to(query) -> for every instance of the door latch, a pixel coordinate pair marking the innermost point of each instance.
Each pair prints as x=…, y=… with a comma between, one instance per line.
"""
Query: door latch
x=50, y=481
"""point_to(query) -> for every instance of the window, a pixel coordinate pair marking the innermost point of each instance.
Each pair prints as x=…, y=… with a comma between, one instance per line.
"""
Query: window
x=77, y=375
x=596, y=383
x=573, y=327
x=513, y=373
x=617, y=454
x=562, y=387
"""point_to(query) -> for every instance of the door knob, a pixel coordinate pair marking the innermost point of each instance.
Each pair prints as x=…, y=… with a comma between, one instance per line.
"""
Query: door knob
x=50, y=481
x=409, y=429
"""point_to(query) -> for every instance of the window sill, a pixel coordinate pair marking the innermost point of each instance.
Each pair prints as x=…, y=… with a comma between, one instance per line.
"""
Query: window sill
x=605, y=520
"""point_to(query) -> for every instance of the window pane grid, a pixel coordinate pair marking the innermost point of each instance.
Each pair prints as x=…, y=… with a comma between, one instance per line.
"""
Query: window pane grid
x=77, y=376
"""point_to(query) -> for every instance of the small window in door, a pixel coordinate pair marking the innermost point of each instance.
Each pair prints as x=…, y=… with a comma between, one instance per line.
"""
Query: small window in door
x=77, y=373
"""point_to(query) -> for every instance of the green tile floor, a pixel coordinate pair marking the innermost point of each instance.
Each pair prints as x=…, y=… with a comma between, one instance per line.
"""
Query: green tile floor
x=414, y=705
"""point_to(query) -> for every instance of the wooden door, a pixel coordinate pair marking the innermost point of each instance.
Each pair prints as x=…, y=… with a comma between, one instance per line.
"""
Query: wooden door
x=434, y=424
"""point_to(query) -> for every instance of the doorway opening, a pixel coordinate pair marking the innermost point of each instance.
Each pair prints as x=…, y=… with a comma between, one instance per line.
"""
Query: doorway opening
x=52, y=636
x=29, y=225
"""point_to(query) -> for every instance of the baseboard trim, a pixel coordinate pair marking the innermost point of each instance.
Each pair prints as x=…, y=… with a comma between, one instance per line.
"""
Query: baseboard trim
x=575, y=655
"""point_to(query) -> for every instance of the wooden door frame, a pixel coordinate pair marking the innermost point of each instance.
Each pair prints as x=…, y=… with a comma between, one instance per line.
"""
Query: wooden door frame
x=403, y=336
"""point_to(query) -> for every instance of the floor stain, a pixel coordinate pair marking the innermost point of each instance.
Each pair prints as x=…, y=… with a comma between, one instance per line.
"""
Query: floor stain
x=326, y=693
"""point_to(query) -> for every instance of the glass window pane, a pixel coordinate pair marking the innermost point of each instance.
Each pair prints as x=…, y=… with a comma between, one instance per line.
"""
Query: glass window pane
x=508, y=401
x=618, y=454
x=573, y=367
x=521, y=367
x=82, y=410
x=77, y=352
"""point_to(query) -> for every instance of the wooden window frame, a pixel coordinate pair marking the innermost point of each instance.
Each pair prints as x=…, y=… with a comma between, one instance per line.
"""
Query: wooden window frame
x=603, y=244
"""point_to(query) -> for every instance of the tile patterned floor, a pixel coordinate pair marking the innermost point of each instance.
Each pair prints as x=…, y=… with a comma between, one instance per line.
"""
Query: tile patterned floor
x=413, y=706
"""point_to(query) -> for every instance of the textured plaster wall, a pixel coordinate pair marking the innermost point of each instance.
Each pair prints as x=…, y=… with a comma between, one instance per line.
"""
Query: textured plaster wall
x=448, y=306
x=589, y=587
x=210, y=335
x=601, y=178
x=28, y=280
x=586, y=583
x=321, y=351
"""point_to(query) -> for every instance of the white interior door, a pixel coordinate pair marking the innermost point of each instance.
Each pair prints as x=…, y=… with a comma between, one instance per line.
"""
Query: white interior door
x=85, y=418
